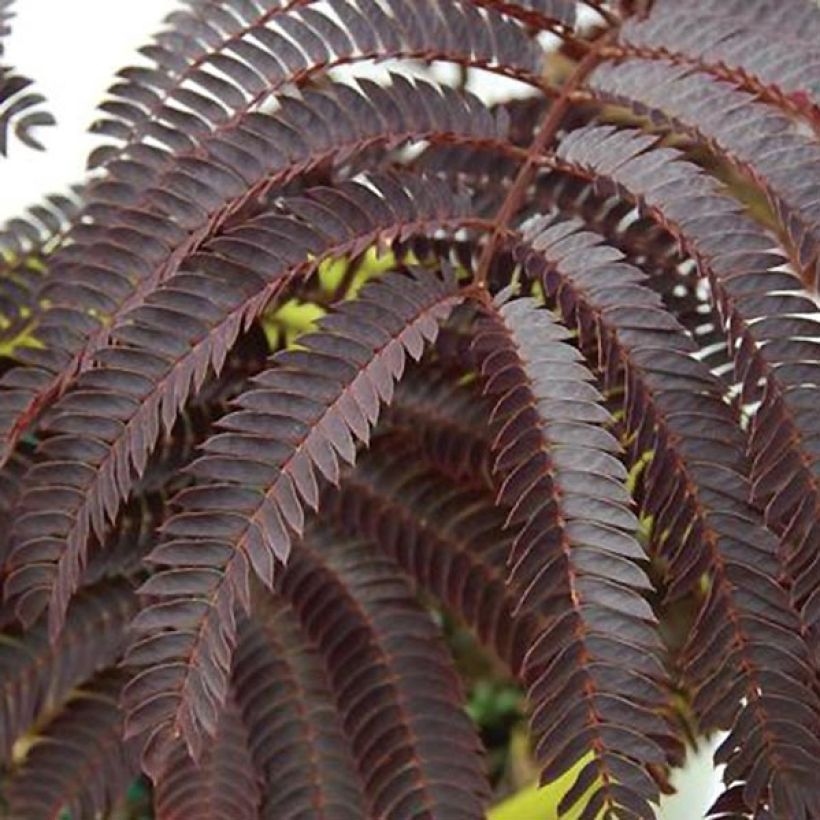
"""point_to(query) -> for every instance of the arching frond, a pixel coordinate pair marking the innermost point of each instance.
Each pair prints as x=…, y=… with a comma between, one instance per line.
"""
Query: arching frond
x=564, y=489
x=305, y=414
x=774, y=153
x=775, y=356
x=283, y=690
x=795, y=19
x=222, y=786
x=784, y=71
x=212, y=67
x=697, y=496
x=394, y=688
x=142, y=234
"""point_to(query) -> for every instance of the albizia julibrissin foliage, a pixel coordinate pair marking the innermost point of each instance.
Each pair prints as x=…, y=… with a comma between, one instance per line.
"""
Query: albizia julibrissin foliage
x=559, y=376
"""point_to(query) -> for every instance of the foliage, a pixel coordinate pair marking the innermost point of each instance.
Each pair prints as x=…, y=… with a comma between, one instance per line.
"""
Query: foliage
x=318, y=356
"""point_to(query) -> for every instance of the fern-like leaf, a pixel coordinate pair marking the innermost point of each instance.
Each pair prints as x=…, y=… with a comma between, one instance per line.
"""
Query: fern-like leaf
x=794, y=19
x=674, y=408
x=776, y=361
x=223, y=786
x=552, y=15
x=774, y=154
x=394, y=687
x=755, y=605
x=283, y=689
x=304, y=414
x=568, y=498
x=785, y=72
x=207, y=74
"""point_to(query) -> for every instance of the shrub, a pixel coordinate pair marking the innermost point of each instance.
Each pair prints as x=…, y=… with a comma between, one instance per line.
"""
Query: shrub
x=314, y=346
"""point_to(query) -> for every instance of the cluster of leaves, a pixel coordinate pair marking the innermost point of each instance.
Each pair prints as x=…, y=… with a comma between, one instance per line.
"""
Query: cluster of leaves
x=573, y=402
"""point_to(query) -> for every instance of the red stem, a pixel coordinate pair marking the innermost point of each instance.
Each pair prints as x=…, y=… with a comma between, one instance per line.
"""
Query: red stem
x=546, y=133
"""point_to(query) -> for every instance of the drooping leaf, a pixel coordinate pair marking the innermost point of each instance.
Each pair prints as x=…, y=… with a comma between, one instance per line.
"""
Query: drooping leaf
x=599, y=647
x=774, y=153
x=775, y=353
x=785, y=71
x=395, y=689
x=206, y=75
x=284, y=692
x=290, y=431
x=223, y=786
x=745, y=590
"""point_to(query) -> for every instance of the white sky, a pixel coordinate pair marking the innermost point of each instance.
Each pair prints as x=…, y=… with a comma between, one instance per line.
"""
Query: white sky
x=72, y=50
